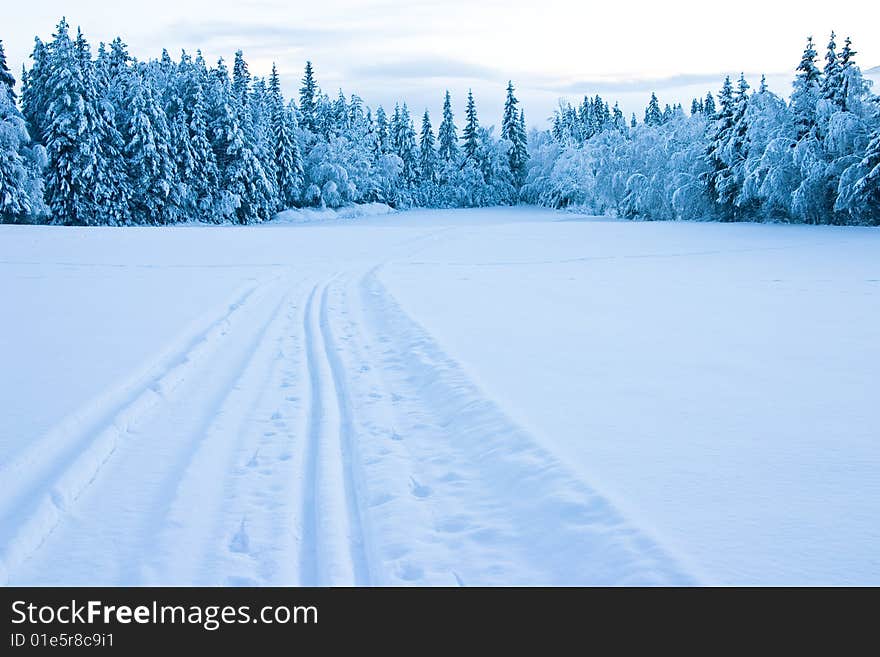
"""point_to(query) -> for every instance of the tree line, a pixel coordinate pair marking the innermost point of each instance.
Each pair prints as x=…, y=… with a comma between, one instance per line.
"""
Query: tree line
x=748, y=155
x=110, y=140
x=106, y=139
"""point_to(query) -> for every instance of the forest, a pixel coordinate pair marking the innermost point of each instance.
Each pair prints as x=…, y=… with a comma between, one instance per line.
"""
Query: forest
x=105, y=139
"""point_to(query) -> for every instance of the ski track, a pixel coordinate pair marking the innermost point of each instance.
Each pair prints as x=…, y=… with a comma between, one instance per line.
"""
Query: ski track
x=310, y=434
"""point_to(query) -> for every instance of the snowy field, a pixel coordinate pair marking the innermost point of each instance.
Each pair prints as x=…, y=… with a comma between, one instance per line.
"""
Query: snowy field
x=504, y=396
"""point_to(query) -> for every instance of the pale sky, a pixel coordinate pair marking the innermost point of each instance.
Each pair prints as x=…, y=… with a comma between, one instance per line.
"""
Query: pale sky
x=387, y=50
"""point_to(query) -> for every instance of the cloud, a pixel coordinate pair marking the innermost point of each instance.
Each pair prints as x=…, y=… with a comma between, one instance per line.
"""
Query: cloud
x=606, y=85
x=426, y=67
x=207, y=33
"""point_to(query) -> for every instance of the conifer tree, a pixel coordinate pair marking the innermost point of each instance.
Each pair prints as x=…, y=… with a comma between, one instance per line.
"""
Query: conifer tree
x=517, y=153
x=447, y=135
x=205, y=178
x=653, y=114
x=69, y=134
x=6, y=78
x=806, y=91
x=20, y=190
x=288, y=164
x=308, y=99
x=860, y=190
x=427, y=152
x=406, y=145
x=35, y=98
x=718, y=178
x=709, y=105
x=471, y=129
x=832, y=79
x=241, y=80
x=150, y=161
x=383, y=144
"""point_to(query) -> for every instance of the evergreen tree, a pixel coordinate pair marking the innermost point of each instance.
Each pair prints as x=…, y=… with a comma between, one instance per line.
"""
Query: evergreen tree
x=289, y=168
x=205, y=177
x=427, y=152
x=653, y=114
x=111, y=187
x=832, y=80
x=471, y=129
x=69, y=135
x=150, y=161
x=719, y=177
x=241, y=80
x=406, y=145
x=383, y=143
x=511, y=130
x=6, y=78
x=447, y=135
x=806, y=91
x=859, y=190
x=35, y=96
x=20, y=186
x=308, y=99
x=709, y=106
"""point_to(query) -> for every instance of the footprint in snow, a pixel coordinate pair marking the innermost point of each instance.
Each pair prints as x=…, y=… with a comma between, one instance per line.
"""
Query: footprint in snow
x=240, y=542
x=419, y=490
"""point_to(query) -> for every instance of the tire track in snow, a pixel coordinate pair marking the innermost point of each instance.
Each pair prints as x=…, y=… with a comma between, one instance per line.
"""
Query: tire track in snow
x=186, y=527
x=501, y=509
x=42, y=484
x=332, y=551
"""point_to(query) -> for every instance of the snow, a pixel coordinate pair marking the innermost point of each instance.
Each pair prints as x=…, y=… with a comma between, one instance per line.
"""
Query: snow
x=440, y=398
x=310, y=215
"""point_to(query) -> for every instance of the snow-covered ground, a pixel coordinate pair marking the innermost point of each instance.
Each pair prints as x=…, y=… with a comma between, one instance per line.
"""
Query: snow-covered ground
x=504, y=396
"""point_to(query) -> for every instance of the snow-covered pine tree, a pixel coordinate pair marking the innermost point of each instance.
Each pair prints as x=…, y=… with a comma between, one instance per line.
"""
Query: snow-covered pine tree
x=855, y=87
x=653, y=114
x=35, y=97
x=241, y=80
x=735, y=152
x=806, y=91
x=407, y=148
x=383, y=143
x=617, y=119
x=709, y=106
x=859, y=187
x=111, y=189
x=517, y=153
x=69, y=134
x=717, y=179
x=6, y=78
x=447, y=135
x=471, y=129
x=308, y=99
x=832, y=79
x=288, y=163
x=263, y=139
x=205, y=177
x=20, y=184
x=151, y=166
x=427, y=151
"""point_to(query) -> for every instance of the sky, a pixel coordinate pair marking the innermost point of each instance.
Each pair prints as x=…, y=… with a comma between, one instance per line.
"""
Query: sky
x=412, y=51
